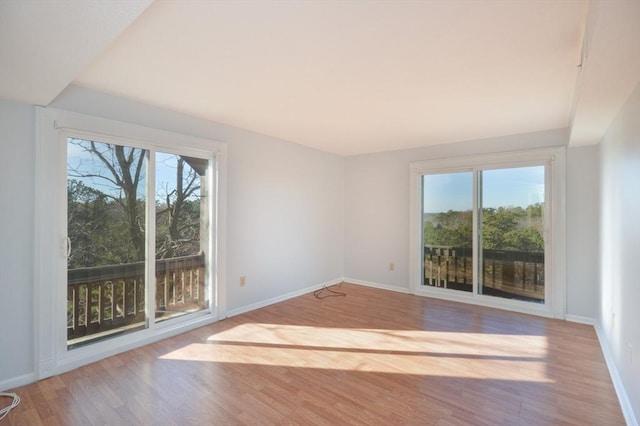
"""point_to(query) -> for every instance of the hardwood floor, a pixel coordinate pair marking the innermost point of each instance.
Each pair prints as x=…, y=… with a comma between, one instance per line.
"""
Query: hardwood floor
x=373, y=357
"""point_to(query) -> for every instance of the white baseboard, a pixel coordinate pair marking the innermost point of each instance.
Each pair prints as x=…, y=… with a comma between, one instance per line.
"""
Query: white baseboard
x=580, y=319
x=376, y=285
x=271, y=301
x=627, y=409
x=15, y=382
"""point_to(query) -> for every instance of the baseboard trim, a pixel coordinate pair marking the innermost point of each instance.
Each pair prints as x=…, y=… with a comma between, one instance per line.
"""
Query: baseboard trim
x=627, y=409
x=277, y=299
x=376, y=285
x=580, y=319
x=15, y=382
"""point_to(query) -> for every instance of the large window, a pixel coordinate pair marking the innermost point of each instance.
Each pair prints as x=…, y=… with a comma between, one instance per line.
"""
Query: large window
x=107, y=262
x=129, y=237
x=511, y=224
x=448, y=230
x=489, y=230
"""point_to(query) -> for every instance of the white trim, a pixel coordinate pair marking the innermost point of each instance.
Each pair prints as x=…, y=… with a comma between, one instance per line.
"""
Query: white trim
x=486, y=301
x=558, y=263
x=378, y=285
x=580, y=319
x=220, y=233
x=625, y=403
x=45, y=259
x=454, y=296
x=52, y=127
x=277, y=299
x=18, y=381
x=555, y=256
x=150, y=246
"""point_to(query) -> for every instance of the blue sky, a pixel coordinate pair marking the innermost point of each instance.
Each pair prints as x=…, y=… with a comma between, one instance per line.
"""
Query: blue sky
x=165, y=172
x=501, y=187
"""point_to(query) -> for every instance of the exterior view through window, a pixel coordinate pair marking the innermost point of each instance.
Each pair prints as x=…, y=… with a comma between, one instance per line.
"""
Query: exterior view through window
x=109, y=238
x=448, y=230
x=510, y=223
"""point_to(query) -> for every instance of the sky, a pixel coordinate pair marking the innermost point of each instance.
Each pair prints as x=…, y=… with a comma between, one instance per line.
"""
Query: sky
x=500, y=187
x=165, y=172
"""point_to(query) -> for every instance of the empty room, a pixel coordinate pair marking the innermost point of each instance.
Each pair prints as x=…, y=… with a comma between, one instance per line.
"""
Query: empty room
x=319, y=212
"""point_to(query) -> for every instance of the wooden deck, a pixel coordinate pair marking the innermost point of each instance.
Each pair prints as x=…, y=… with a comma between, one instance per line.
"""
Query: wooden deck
x=373, y=357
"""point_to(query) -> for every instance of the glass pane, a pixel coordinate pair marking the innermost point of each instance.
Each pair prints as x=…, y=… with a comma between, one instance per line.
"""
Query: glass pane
x=181, y=235
x=106, y=229
x=513, y=233
x=448, y=230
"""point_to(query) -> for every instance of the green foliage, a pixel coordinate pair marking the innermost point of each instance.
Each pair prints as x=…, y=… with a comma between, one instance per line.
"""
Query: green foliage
x=452, y=228
x=504, y=228
x=183, y=238
x=99, y=235
x=107, y=228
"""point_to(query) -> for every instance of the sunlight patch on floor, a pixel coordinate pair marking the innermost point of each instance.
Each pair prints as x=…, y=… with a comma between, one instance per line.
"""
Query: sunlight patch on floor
x=506, y=345
x=425, y=353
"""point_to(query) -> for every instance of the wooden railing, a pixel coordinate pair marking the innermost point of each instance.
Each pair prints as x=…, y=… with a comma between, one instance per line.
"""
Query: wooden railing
x=505, y=273
x=104, y=298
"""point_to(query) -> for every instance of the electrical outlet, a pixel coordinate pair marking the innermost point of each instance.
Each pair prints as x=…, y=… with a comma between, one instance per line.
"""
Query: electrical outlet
x=243, y=281
x=613, y=320
x=392, y=266
x=630, y=349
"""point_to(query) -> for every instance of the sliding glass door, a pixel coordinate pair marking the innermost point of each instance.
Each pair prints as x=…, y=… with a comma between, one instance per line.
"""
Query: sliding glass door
x=181, y=235
x=483, y=232
x=448, y=230
x=106, y=239
x=122, y=202
x=512, y=233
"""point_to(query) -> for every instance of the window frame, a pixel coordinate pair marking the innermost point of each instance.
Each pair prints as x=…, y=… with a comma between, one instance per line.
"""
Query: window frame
x=555, y=281
x=52, y=130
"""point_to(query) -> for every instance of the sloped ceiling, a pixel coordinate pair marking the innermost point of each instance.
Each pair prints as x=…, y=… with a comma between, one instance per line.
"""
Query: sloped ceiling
x=45, y=44
x=346, y=77
x=611, y=68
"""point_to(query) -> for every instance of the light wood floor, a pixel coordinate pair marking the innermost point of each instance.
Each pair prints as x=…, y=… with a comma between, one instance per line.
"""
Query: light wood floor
x=373, y=357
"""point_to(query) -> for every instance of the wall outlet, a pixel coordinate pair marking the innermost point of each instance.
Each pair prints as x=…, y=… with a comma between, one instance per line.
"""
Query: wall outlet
x=392, y=266
x=613, y=320
x=630, y=350
x=243, y=281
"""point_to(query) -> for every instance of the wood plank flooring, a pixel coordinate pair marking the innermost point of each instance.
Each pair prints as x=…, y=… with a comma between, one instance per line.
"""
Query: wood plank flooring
x=373, y=357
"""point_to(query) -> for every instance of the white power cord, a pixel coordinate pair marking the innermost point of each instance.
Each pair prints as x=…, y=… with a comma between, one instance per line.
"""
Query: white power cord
x=16, y=400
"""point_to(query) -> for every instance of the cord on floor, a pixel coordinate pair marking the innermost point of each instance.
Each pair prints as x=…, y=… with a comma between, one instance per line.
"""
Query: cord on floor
x=16, y=400
x=331, y=293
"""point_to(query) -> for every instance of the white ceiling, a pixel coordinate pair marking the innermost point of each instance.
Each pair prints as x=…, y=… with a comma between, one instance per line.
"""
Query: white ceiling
x=44, y=44
x=346, y=77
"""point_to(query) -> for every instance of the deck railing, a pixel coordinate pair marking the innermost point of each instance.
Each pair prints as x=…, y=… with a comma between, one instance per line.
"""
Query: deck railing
x=506, y=273
x=105, y=298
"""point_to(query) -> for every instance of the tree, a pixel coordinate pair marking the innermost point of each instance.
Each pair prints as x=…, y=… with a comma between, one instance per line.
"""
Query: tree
x=115, y=230
x=120, y=169
x=179, y=217
x=451, y=228
x=504, y=228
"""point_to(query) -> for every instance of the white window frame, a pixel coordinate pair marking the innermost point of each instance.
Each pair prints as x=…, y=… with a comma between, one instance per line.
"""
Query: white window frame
x=555, y=257
x=53, y=128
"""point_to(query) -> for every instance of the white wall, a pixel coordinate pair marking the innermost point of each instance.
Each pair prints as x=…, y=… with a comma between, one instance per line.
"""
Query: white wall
x=17, y=184
x=285, y=219
x=377, y=203
x=620, y=245
x=284, y=214
x=582, y=226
